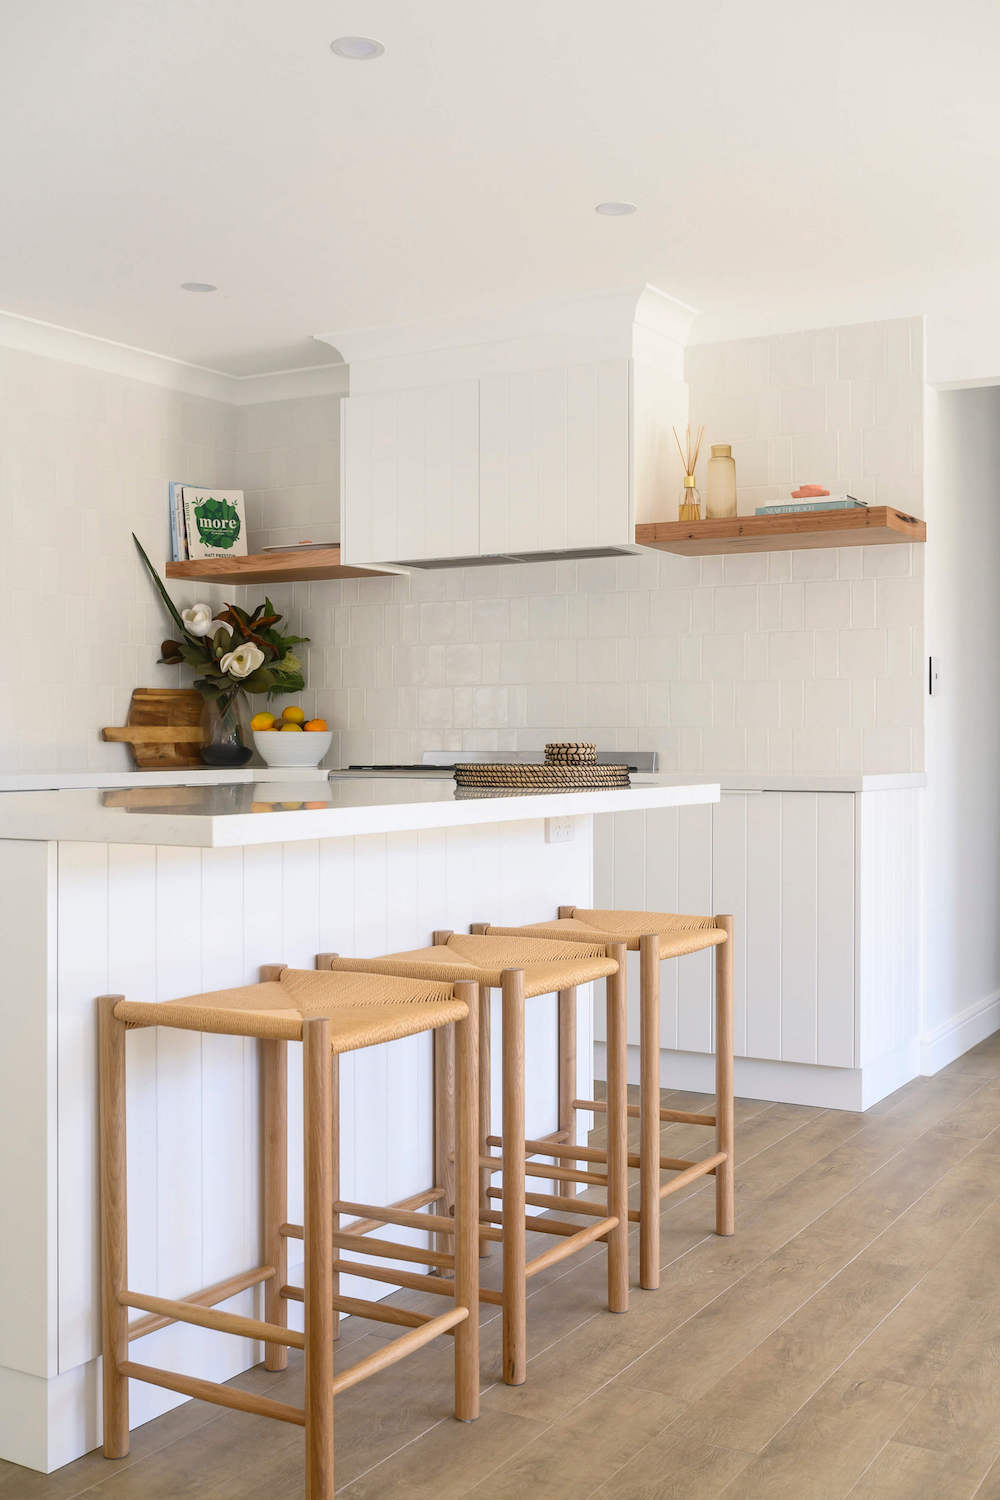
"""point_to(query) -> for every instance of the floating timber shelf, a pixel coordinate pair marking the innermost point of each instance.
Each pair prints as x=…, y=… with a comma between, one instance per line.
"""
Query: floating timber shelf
x=269, y=567
x=868, y=526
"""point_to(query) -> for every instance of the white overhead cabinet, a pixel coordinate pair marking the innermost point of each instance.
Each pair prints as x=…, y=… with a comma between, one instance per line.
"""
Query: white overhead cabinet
x=545, y=433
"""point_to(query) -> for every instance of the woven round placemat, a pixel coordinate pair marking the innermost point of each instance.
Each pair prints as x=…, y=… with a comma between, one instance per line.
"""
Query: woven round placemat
x=571, y=752
x=506, y=774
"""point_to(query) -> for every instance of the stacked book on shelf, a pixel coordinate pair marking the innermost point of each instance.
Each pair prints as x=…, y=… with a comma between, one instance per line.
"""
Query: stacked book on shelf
x=206, y=522
x=811, y=497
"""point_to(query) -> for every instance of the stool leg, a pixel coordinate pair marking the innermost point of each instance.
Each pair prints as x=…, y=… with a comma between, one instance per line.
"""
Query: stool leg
x=725, y=1208
x=114, y=1226
x=318, y=1282
x=649, y=1112
x=335, y=1112
x=466, y=1208
x=515, y=1353
x=444, y=1128
x=485, y=1111
x=274, y=1142
x=567, y=1076
x=617, y=1133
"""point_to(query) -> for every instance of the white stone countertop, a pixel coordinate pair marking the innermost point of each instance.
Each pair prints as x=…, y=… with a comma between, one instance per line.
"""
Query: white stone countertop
x=255, y=810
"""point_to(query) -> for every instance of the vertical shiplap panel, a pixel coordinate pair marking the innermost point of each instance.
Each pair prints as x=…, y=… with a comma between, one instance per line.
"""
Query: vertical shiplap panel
x=132, y=972
x=612, y=510
x=798, y=927
x=384, y=473
x=583, y=450
x=421, y=475
x=660, y=894
x=763, y=924
x=835, y=930
x=551, y=523
x=179, y=916
x=225, y=1062
x=408, y=1104
x=729, y=892
x=694, y=972
x=366, y=1176
x=83, y=975
x=523, y=498
x=889, y=918
x=494, y=468
x=357, y=507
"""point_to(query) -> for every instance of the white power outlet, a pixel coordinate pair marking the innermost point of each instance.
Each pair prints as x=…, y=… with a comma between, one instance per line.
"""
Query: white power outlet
x=559, y=830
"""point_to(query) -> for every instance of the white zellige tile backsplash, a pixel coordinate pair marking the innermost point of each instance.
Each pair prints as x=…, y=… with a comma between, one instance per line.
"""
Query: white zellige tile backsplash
x=797, y=661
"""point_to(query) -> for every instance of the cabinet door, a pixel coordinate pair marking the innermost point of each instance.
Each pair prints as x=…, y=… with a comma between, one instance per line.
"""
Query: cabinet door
x=783, y=864
x=410, y=474
x=553, y=462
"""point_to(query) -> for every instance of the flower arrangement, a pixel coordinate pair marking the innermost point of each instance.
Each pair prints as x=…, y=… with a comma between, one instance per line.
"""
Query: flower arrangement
x=233, y=652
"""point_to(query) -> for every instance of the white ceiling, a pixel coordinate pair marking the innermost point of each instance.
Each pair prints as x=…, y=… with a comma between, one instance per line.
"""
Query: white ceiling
x=784, y=156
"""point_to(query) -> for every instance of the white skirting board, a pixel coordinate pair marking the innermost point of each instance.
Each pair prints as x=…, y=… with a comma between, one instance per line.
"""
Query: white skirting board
x=783, y=1082
x=955, y=1036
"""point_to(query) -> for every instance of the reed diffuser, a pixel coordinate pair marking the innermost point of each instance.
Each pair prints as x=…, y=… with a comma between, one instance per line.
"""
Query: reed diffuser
x=689, y=507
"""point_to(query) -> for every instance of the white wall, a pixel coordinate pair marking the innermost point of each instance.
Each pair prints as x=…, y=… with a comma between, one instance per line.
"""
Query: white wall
x=963, y=717
x=85, y=458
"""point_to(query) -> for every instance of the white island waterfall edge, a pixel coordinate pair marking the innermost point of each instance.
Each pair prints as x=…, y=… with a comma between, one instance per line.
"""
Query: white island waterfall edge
x=100, y=898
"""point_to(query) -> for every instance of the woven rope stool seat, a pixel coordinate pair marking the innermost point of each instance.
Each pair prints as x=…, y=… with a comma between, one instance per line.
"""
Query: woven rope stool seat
x=548, y=967
x=363, y=1010
x=523, y=967
x=678, y=934
x=329, y=1015
x=656, y=935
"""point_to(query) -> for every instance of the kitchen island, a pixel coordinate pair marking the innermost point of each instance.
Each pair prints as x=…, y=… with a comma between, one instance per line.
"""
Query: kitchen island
x=158, y=891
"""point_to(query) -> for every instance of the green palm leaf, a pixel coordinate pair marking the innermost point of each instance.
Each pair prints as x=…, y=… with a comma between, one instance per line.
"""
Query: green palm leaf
x=171, y=606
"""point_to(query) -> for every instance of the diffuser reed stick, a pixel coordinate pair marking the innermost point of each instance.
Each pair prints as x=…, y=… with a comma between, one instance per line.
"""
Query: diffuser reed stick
x=689, y=508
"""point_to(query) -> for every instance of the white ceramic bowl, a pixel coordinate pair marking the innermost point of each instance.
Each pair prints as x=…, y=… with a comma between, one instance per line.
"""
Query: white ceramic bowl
x=279, y=748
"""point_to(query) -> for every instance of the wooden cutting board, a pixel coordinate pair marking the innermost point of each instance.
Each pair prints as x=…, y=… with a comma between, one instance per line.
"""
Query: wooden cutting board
x=163, y=730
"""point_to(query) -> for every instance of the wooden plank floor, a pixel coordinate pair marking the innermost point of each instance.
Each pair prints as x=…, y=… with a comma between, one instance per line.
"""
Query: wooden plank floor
x=845, y=1342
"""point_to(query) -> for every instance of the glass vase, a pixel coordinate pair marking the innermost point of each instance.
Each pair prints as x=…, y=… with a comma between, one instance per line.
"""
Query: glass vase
x=720, y=487
x=225, y=719
x=689, y=504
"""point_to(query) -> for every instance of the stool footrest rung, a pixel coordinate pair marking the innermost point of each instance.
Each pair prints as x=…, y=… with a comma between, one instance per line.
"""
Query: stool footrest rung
x=390, y=1250
x=221, y=1291
x=408, y=1218
x=398, y=1349
x=579, y=1241
x=210, y=1390
x=589, y=1153
x=414, y=1283
x=357, y=1307
x=558, y=1174
x=675, y=1116
x=535, y=1222
x=208, y=1317
x=694, y=1171
x=575, y=1205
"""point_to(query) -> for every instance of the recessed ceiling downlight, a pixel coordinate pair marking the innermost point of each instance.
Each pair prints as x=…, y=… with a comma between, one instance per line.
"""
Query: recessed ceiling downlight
x=357, y=48
x=614, y=210
x=198, y=286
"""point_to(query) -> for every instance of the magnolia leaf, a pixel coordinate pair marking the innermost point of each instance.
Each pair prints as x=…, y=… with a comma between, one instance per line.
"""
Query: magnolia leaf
x=171, y=606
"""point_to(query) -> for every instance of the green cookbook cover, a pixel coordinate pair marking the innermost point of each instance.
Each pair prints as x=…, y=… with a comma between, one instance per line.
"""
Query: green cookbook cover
x=216, y=522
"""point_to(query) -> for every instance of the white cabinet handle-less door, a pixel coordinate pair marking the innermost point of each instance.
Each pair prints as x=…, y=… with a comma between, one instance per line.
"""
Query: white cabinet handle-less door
x=554, y=458
x=410, y=474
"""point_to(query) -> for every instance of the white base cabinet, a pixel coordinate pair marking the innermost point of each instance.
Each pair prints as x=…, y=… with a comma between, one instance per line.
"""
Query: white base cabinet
x=825, y=888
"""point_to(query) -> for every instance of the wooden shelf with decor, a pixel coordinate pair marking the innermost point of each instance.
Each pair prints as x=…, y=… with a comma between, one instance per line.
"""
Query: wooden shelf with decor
x=295, y=566
x=870, y=526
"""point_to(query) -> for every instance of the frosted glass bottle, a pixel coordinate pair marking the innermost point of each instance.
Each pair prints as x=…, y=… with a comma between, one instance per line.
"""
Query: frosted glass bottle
x=720, y=484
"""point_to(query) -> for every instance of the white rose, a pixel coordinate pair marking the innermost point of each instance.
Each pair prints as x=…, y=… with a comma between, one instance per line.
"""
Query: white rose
x=244, y=660
x=197, y=619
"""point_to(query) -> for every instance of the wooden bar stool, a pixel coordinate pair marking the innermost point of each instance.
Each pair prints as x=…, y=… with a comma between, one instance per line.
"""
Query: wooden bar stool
x=657, y=936
x=330, y=1014
x=522, y=968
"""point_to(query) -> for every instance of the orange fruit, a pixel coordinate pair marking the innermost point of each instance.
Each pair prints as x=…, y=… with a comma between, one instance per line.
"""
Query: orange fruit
x=292, y=714
x=315, y=806
x=317, y=725
x=296, y=727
